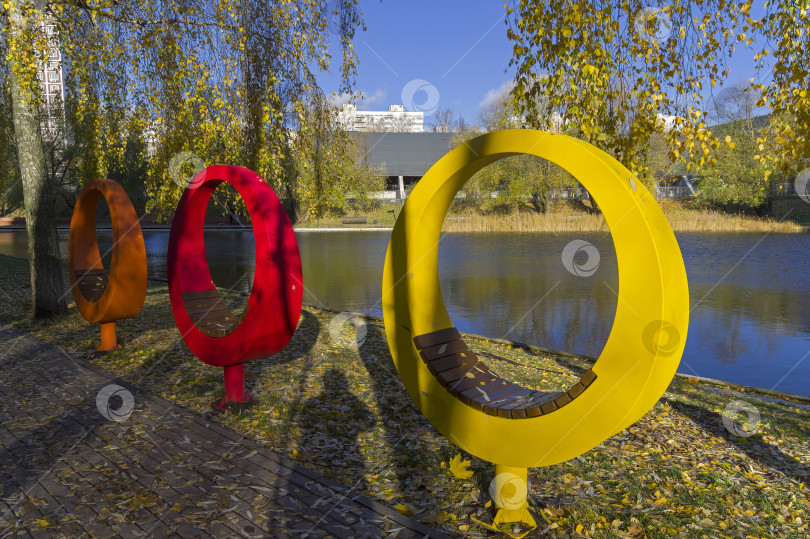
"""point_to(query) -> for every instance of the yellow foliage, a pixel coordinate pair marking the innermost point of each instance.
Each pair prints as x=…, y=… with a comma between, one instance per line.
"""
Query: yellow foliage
x=211, y=78
x=639, y=62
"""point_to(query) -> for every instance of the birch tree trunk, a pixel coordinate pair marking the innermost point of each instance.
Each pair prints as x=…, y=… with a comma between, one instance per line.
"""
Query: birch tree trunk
x=47, y=287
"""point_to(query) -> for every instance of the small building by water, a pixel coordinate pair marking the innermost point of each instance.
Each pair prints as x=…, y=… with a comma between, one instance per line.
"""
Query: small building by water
x=404, y=157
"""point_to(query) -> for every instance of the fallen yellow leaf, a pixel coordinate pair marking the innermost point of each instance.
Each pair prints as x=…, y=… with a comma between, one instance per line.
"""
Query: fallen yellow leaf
x=404, y=509
x=459, y=468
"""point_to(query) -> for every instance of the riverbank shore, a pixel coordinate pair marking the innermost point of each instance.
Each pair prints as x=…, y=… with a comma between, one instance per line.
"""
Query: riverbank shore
x=340, y=409
x=562, y=217
x=680, y=221
x=683, y=216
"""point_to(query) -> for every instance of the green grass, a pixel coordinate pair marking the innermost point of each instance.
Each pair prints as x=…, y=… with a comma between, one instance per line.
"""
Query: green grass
x=676, y=472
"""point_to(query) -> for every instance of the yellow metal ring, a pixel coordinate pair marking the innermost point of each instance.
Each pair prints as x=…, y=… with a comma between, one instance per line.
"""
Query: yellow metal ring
x=649, y=331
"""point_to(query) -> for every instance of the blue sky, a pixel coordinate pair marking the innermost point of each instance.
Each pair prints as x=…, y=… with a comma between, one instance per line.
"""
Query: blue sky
x=457, y=47
x=460, y=48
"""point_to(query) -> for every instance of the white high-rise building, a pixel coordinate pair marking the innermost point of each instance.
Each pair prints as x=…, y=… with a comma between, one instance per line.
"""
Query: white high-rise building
x=394, y=120
x=51, y=82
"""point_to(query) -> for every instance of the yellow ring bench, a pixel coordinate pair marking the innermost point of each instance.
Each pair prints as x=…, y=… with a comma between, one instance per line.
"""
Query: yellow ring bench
x=478, y=410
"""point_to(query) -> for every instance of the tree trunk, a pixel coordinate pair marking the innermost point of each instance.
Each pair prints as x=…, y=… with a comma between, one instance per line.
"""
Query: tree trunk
x=594, y=206
x=540, y=201
x=47, y=288
x=765, y=209
x=233, y=219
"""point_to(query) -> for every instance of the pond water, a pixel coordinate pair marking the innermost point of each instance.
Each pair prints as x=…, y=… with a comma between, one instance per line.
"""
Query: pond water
x=750, y=293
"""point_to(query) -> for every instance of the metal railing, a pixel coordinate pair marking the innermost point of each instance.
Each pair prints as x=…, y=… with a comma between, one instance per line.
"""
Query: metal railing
x=569, y=193
x=671, y=192
x=575, y=193
x=787, y=189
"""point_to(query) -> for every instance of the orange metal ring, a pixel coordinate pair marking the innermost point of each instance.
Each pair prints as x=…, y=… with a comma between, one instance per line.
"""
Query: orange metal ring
x=125, y=291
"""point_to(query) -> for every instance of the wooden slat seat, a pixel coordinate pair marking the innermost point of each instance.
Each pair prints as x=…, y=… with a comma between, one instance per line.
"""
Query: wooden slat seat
x=468, y=379
x=210, y=293
x=468, y=382
x=209, y=313
x=91, y=283
x=452, y=362
x=442, y=350
x=437, y=337
x=88, y=272
x=477, y=396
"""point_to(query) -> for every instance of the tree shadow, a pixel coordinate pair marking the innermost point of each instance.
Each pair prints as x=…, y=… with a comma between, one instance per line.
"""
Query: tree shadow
x=576, y=366
x=754, y=446
x=23, y=461
x=331, y=423
x=391, y=397
x=299, y=347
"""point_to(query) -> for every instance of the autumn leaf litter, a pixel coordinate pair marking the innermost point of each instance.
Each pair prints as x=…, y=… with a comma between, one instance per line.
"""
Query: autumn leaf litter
x=344, y=413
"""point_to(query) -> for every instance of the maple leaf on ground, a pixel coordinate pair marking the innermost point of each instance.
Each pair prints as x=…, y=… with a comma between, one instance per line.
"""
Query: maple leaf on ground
x=404, y=509
x=460, y=468
x=635, y=530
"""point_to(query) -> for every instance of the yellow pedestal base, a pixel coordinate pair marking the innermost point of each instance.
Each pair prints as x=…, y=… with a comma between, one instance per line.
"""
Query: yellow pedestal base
x=509, y=491
x=515, y=523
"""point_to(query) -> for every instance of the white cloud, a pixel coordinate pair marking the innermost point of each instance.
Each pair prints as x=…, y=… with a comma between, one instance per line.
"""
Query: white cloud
x=367, y=102
x=496, y=95
x=338, y=100
x=376, y=98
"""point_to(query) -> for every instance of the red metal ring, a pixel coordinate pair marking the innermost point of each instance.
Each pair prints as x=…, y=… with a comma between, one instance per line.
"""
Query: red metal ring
x=274, y=305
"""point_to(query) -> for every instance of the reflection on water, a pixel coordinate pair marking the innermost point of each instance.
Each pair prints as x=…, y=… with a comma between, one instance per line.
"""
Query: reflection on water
x=750, y=297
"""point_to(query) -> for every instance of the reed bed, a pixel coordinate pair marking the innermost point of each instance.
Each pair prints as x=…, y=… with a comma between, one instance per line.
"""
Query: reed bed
x=566, y=216
x=681, y=220
x=525, y=222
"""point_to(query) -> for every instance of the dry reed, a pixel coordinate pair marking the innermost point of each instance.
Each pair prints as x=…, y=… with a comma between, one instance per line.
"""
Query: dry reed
x=681, y=220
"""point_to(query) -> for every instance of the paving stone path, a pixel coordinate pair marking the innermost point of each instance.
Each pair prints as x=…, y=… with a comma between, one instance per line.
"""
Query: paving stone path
x=67, y=470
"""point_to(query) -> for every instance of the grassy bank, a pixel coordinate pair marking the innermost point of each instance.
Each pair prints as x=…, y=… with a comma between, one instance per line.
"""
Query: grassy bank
x=570, y=217
x=573, y=217
x=343, y=412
